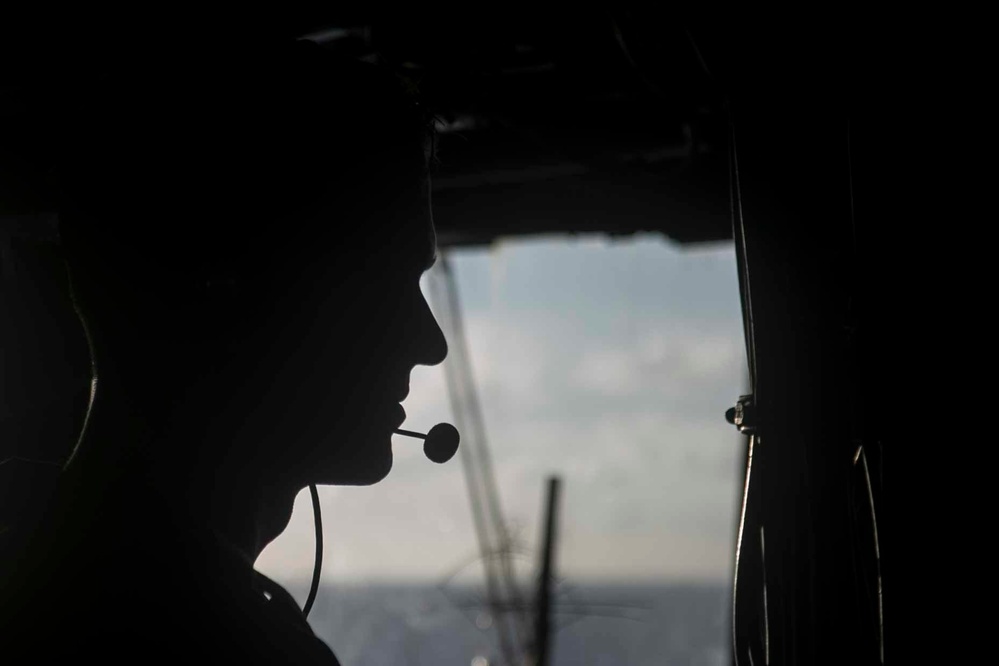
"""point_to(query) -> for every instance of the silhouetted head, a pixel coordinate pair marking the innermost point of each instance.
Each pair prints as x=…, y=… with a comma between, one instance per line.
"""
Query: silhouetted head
x=246, y=237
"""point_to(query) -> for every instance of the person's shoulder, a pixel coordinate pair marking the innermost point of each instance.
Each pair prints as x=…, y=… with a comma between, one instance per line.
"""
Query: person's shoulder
x=138, y=583
x=290, y=621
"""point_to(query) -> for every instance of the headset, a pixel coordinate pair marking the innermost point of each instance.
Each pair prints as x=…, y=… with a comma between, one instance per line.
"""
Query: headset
x=439, y=445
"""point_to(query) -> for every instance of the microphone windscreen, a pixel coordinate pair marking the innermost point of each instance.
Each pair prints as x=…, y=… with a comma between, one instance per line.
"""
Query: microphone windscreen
x=441, y=442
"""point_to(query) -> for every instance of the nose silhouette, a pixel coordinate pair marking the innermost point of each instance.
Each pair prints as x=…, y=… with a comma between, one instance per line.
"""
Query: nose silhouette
x=431, y=343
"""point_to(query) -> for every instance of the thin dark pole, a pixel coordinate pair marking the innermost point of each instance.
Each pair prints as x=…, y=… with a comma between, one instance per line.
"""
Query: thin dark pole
x=543, y=620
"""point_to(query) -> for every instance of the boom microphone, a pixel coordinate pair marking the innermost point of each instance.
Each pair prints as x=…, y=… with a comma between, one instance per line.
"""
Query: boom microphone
x=440, y=444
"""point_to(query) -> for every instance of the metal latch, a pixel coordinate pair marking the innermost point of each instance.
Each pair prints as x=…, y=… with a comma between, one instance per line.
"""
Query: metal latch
x=743, y=415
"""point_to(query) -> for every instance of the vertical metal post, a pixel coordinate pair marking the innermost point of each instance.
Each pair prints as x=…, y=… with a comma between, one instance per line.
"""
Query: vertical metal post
x=542, y=631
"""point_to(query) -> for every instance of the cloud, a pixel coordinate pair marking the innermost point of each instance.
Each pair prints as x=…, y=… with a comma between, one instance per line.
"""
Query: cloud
x=661, y=359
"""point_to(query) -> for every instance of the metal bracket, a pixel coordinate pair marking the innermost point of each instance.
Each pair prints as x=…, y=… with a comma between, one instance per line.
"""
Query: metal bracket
x=743, y=415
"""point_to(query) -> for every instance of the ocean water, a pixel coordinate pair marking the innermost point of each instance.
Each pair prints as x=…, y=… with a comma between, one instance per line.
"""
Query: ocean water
x=619, y=625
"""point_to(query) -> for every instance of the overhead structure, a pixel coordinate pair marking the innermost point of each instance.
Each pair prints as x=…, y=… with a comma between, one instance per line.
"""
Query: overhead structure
x=550, y=122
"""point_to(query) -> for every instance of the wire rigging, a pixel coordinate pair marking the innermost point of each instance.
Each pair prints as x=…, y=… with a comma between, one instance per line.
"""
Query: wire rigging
x=490, y=528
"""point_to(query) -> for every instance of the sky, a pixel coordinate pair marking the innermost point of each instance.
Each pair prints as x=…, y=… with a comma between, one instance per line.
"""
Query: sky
x=607, y=362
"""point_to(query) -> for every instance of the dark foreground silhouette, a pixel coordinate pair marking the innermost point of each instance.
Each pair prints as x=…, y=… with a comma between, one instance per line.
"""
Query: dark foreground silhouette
x=245, y=233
